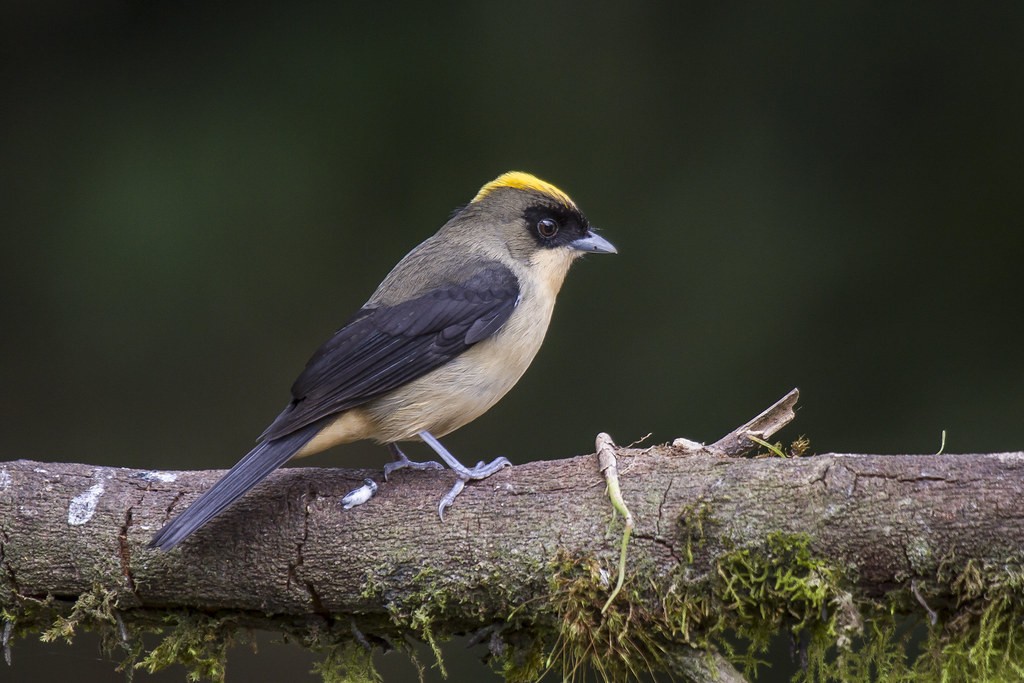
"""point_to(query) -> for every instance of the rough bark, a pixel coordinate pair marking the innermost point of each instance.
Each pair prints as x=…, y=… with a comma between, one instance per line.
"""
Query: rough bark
x=288, y=552
x=288, y=548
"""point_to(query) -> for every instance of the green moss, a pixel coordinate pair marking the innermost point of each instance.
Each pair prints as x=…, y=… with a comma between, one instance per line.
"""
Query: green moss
x=345, y=662
x=423, y=604
x=800, y=447
x=416, y=604
x=780, y=585
x=735, y=606
x=665, y=624
x=95, y=611
x=751, y=596
x=616, y=643
x=92, y=610
x=199, y=643
x=983, y=639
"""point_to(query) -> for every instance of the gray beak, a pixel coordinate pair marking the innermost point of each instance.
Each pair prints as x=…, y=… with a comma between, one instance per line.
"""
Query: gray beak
x=594, y=243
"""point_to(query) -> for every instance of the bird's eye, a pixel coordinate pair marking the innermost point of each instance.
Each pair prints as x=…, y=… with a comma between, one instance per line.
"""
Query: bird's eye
x=547, y=227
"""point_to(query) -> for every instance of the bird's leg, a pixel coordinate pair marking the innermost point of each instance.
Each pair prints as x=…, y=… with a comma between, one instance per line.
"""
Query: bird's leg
x=402, y=462
x=481, y=471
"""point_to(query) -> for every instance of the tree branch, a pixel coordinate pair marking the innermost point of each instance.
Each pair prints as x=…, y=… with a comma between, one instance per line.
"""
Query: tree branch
x=528, y=550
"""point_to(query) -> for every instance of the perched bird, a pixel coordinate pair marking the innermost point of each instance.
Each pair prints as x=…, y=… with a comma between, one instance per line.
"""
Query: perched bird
x=447, y=333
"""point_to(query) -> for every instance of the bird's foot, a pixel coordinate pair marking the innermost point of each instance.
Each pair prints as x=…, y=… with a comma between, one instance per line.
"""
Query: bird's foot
x=402, y=462
x=481, y=471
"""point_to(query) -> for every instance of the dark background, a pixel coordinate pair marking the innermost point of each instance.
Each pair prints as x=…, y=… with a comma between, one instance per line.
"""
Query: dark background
x=822, y=195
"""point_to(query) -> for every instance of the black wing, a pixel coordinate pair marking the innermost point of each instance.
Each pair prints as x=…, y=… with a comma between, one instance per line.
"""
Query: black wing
x=382, y=348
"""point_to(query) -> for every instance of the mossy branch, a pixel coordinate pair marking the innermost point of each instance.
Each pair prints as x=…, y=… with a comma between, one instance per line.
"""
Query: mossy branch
x=832, y=549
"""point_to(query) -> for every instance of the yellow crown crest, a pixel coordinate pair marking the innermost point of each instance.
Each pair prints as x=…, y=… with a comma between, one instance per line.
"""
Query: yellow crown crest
x=523, y=181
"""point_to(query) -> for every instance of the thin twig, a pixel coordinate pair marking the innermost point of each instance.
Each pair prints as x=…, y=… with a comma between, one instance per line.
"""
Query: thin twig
x=777, y=416
x=609, y=467
x=5, y=640
x=122, y=630
x=932, y=615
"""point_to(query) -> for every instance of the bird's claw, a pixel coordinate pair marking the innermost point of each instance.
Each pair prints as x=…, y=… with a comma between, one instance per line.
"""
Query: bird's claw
x=403, y=462
x=481, y=471
x=449, y=498
x=391, y=467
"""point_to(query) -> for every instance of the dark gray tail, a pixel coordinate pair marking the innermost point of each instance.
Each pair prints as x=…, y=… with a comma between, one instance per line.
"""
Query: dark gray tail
x=250, y=470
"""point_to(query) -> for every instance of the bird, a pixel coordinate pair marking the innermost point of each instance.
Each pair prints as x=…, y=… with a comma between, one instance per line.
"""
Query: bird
x=446, y=334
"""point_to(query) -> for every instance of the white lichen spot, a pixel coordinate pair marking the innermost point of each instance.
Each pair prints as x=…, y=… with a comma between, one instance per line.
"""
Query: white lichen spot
x=39, y=470
x=163, y=477
x=5, y=479
x=83, y=506
x=360, y=495
x=688, y=445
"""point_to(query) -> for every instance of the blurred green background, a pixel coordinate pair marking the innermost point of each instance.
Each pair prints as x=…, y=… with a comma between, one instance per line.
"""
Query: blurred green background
x=822, y=195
